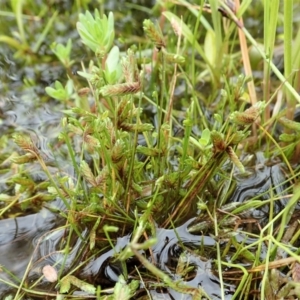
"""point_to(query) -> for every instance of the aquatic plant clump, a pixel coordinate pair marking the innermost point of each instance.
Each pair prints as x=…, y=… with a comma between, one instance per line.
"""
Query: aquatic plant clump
x=153, y=188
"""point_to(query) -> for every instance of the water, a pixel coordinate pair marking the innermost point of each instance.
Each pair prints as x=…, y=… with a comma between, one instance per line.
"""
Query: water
x=18, y=238
x=265, y=179
x=104, y=270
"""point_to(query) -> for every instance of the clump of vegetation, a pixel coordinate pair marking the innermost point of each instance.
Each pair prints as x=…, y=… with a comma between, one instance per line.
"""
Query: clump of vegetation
x=144, y=153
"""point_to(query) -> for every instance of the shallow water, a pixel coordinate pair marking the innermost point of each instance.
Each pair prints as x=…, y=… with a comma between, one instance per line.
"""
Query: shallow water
x=104, y=270
x=265, y=179
x=18, y=241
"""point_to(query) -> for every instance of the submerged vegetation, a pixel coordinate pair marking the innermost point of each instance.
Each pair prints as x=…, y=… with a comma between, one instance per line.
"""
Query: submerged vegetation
x=153, y=158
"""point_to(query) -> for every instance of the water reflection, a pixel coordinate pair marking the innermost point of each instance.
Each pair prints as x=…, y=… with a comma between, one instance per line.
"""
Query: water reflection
x=165, y=255
x=16, y=241
x=263, y=176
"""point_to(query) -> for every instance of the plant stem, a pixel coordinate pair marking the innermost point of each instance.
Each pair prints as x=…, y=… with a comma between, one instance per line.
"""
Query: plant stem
x=288, y=31
x=279, y=75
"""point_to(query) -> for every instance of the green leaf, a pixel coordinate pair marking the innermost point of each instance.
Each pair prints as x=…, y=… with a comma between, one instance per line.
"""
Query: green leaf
x=288, y=138
x=65, y=285
x=189, y=35
x=205, y=137
x=289, y=124
x=59, y=92
x=243, y=251
x=113, y=69
x=237, y=137
x=218, y=118
x=234, y=158
x=210, y=47
x=123, y=290
x=148, y=151
x=108, y=228
x=63, y=53
x=96, y=32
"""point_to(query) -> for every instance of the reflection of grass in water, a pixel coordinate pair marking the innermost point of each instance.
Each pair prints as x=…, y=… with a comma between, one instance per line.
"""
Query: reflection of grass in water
x=121, y=187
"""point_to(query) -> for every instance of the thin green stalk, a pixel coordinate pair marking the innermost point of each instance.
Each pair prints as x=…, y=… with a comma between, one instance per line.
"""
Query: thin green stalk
x=196, y=10
x=244, y=279
x=192, y=72
x=279, y=75
x=296, y=61
x=15, y=199
x=12, y=42
x=288, y=64
x=198, y=183
x=280, y=150
x=29, y=264
x=295, y=237
x=243, y=7
x=66, y=139
x=270, y=26
x=219, y=256
x=66, y=252
x=288, y=211
x=11, y=275
x=216, y=18
x=188, y=124
x=195, y=100
x=285, y=248
x=59, y=193
x=12, y=15
x=270, y=248
x=18, y=5
x=161, y=159
x=9, y=283
x=132, y=162
x=44, y=33
x=175, y=285
x=188, y=34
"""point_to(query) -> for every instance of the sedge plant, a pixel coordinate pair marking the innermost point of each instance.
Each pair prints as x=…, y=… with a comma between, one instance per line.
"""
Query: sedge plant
x=133, y=174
